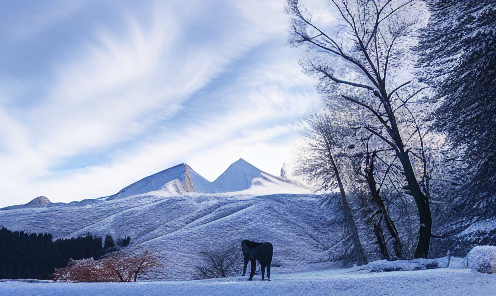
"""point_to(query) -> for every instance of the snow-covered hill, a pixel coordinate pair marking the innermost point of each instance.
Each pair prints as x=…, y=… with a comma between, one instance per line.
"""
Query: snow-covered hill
x=177, y=214
x=178, y=228
x=237, y=177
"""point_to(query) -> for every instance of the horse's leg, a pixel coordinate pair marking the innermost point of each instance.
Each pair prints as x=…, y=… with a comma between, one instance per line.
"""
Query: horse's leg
x=252, y=269
x=245, y=264
x=263, y=271
x=268, y=272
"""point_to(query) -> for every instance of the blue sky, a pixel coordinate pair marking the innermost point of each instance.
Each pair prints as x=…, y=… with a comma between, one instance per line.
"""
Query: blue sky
x=95, y=95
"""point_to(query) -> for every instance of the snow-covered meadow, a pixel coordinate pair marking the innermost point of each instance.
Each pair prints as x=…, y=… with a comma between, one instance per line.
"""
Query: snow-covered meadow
x=353, y=281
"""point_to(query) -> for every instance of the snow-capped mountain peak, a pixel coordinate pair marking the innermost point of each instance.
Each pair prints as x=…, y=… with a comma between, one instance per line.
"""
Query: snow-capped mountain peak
x=238, y=176
x=182, y=179
x=176, y=180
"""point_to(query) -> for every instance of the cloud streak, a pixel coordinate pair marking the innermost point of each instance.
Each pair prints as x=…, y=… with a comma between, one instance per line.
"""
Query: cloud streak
x=137, y=89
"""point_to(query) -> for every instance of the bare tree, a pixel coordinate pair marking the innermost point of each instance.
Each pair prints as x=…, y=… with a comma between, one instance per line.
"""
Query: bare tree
x=220, y=263
x=84, y=270
x=320, y=165
x=377, y=211
x=116, y=267
x=127, y=266
x=359, y=61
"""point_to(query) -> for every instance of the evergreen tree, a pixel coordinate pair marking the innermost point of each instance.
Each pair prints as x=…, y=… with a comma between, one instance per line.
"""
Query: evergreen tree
x=35, y=256
x=458, y=60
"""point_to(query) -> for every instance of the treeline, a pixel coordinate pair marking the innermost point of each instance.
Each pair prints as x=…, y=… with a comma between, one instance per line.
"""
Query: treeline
x=35, y=256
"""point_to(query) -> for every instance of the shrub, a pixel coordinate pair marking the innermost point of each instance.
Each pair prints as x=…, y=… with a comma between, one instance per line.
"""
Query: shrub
x=219, y=263
x=116, y=267
x=482, y=259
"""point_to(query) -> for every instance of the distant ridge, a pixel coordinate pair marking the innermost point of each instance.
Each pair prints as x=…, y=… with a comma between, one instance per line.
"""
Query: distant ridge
x=239, y=176
x=181, y=179
x=39, y=202
x=176, y=180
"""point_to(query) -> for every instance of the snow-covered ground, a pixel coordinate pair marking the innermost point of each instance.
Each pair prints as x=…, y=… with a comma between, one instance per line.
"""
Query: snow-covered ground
x=442, y=281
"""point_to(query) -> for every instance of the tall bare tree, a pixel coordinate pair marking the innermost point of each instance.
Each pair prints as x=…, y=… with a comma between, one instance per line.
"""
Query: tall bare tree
x=360, y=61
x=324, y=139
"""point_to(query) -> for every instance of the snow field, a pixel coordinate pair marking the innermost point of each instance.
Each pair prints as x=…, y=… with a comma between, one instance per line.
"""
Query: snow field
x=344, y=282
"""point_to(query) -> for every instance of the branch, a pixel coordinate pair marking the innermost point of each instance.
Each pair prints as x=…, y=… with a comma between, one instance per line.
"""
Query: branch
x=383, y=138
x=398, y=88
x=384, y=122
x=408, y=99
x=387, y=171
x=337, y=80
x=394, y=10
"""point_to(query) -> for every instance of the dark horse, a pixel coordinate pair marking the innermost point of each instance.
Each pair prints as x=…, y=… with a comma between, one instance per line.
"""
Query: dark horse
x=253, y=251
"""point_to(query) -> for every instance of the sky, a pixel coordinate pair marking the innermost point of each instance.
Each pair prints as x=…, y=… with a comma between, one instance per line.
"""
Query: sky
x=95, y=95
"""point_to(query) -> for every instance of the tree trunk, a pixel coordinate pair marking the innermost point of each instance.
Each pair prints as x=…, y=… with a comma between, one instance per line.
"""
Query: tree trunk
x=421, y=200
x=422, y=205
x=376, y=198
x=380, y=240
x=361, y=258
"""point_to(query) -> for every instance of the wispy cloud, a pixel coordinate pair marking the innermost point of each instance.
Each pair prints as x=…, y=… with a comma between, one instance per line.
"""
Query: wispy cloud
x=137, y=89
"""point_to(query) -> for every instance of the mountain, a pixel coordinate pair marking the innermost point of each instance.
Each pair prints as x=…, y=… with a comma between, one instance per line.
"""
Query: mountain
x=39, y=202
x=243, y=176
x=237, y=177
x=176, y=180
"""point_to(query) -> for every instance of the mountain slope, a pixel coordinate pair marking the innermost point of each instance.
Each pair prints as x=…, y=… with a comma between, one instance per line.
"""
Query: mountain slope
x=243, y=176
x=238, y=176
x=176, y=229
x=176, y=180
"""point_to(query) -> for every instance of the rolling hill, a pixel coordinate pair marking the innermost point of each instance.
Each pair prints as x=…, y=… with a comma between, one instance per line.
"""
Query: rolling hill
x=176, y=214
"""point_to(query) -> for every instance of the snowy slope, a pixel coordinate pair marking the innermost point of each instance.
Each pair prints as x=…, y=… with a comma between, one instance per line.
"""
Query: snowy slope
x=346, y=282
x=174, y=181
x=268, y=184
x=178, y=228
x=243, y=176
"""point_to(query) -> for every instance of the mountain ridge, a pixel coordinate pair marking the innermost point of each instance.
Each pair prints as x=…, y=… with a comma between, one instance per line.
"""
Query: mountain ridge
x=181, y=179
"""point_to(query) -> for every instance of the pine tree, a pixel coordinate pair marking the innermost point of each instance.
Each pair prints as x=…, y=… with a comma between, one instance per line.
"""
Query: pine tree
x=458, y=60
x=36, y=256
